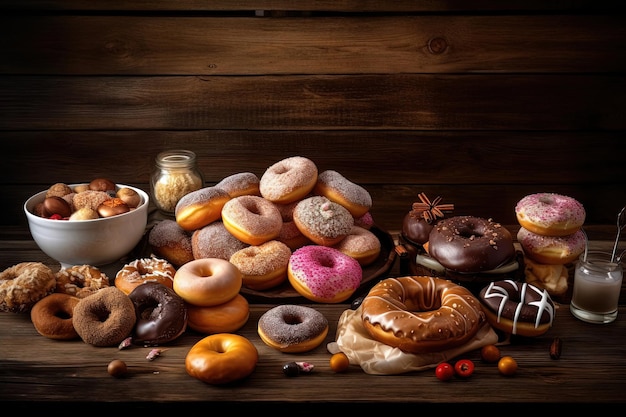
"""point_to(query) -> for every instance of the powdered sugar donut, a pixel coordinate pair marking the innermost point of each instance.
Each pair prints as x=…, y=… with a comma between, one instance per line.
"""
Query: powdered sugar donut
x=324, y=274
x=171, y=242
x=360, y=244
x=323, y=221
x=288, y=180
x=242, y=183
x=263, y=266
x=550, y=214
x=552, y=250
x=252, y=219
x=292, y=328
x=214, y=241
x=334, y=186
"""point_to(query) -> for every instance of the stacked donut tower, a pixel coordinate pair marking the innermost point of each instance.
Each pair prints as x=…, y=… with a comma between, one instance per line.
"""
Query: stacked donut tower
x=551, y=237
x=293, y=223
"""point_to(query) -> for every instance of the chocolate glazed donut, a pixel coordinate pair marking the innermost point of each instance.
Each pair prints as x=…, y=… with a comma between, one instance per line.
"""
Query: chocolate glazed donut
x=161, y=314
x=470, y=244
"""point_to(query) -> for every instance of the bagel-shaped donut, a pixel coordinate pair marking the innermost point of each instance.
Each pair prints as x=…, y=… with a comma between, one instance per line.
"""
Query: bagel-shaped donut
x=264, y=266
x=80, y=280
x=288, y=180
x=420, y=314
x=227, y=317
x=242, y=183
x=470, y=244
x=171, y=242
x=200, y=207
x=550, y=214
x=292, y=328
x=208, y=282
x=161, y=314
x=214, y=241
x=324, y=222
x=105, y=318
x=334, y=186
x=251, y=219
x=52, y=316
x=361, y=244
x=517, y=308
x=324, y=274
x=23, y=284
x=143, y=270
x=221, y=358
x=552, y=250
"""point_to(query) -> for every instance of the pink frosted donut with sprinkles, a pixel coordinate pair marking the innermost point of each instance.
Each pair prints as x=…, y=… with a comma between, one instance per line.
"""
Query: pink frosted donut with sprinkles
x=324, y=274
x=550, y=214
x=551, y=250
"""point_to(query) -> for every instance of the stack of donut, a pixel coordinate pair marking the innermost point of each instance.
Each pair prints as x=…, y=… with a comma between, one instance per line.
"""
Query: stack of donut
x=258, y=223
x=551, y=237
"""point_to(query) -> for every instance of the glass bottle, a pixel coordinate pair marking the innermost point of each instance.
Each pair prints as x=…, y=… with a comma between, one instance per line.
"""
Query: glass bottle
x=175, y=175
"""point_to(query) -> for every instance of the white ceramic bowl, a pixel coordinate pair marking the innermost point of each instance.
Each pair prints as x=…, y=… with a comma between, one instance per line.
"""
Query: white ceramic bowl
x=94, y=242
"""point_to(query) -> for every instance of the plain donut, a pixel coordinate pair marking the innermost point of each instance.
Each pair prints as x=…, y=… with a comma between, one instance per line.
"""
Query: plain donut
x=52, y=316
x=208, y=282
x=227, y=317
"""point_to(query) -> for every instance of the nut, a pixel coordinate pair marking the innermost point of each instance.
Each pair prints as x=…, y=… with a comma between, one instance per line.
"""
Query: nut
x=555, y=348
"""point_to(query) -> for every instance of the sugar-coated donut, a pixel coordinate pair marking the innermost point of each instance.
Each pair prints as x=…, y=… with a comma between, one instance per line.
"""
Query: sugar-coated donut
x=365, y=221
x=200, y=207
x=52, y=316
x=470, y=244
x=288, y=180
x=334, y=186
x=227, y=317
x=289, y=234
x=324, y=222
x=263, y=266
x=221, y=358
x=292, y=328
x=80, y=280
x=242, y=183
x=23, y=284
x=517, y=308
x=550, y=214
x=324, y=274
x=143, y=270
x=208, y=282
x=161, y=314
x=214, y=241
x=105, y=318
x=360, y=244
x=420, y=314
x=89, y=199
x=252, y=219
x=552, y=250
x=171, y=242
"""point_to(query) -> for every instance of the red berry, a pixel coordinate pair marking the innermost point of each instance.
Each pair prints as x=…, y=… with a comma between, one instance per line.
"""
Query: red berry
x=464, y=368
x=444, y=371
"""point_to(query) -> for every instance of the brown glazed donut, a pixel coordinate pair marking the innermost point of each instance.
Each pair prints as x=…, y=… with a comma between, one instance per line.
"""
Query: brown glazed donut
x=419, y=314
x=470, y=244
x=52, y=316
x=517, y=308
x=161, y=314
x=23, y=284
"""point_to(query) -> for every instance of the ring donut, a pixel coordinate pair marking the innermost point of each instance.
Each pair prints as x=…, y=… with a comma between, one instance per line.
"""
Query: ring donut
x=324, y=222
x=208, y=282
x=263, y=266
x=552, y=250
x=252, y=219
x=550, y=214
x=221, y=359
x=144, y=270
x=161, y=314
x=52, y=316
x=334, y=186
x=227, y=317
x=517, y=308
x=288, y=180
x=420, y=314
x=292, y=328
x=80, y=280
x=23, y=284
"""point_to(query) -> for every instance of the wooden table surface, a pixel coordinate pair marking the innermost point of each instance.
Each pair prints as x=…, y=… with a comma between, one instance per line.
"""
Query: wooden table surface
x=40, y=372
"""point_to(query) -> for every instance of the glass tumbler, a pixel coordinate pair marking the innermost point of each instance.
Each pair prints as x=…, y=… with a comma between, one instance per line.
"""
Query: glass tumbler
x=597, y=286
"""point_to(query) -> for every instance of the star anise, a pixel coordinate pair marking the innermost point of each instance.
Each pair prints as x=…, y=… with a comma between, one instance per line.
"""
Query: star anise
x=430, y=210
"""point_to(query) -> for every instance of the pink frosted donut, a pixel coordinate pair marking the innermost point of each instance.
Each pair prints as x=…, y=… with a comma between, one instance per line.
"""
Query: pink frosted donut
x=324, y=274
x=551, y=250
x=550, y=214
x=288, y=180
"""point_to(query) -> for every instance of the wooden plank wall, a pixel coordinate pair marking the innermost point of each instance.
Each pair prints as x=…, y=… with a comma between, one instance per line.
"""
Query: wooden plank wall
x=481, y=106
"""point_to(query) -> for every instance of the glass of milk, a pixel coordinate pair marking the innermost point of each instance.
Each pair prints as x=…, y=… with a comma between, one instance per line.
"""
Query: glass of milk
x=597, y=286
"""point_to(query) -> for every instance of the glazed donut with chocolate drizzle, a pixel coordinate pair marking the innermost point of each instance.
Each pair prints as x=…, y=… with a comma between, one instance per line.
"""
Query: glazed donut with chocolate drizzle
x=420, y=314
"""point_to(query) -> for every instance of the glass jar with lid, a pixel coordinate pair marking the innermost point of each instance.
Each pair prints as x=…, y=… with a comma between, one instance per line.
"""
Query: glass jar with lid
x=176, y=174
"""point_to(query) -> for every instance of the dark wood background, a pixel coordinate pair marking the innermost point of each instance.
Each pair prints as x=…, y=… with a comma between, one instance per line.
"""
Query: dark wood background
x=481, y=106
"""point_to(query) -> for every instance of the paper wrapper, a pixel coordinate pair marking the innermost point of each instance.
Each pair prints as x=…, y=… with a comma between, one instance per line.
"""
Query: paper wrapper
x=377, y=358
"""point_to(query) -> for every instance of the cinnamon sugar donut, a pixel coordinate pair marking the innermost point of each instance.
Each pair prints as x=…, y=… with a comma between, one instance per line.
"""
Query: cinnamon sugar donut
x=288, y=180
x=360, y=244
x=324, y=222
x=143, y=270
x=263, y=266
x=23, y=284
x=80, y=280
x=214, y=241
x=52, y=316
x=170, y=241
x=251, y=219
x=550, y=214
x=419, y=314
x=200, y=207
x=334, y=186
x=105, y=318
x=242, y=183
